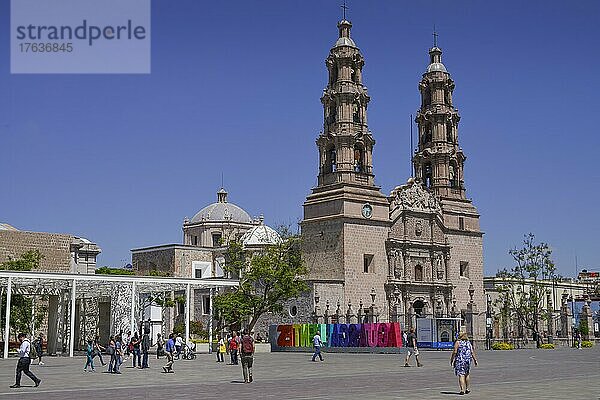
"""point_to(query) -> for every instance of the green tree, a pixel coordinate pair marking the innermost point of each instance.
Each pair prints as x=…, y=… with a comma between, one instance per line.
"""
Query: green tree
x=584, y=328
x=112, y=271
x=524, y=289
x=22, y=316
x=28, y=261
x=267, y=280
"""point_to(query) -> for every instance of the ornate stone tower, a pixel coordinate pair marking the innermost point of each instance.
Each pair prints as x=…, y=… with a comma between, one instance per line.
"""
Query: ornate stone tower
x=346, y=218
x=439, y=165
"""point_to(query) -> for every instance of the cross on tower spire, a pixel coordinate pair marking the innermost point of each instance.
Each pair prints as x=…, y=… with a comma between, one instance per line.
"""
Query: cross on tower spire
x=435, y=36
x=344, y=7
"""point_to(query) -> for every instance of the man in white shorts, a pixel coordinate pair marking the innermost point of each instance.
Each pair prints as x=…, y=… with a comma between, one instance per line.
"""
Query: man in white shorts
x=411, y=347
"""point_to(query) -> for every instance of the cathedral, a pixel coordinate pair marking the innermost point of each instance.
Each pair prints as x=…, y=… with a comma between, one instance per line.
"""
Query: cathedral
x=417, y=252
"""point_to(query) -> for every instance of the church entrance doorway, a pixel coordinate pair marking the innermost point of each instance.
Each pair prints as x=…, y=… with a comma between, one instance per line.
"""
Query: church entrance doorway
x=418, y=306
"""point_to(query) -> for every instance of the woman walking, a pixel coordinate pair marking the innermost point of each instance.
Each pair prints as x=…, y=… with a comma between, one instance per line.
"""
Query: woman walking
x=98, y=349
x=160, y=342
x=89, y=353
x=461, y=361
x=112, y=352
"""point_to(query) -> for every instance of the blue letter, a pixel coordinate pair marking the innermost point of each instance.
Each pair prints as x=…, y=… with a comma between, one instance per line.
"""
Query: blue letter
x=20, y=32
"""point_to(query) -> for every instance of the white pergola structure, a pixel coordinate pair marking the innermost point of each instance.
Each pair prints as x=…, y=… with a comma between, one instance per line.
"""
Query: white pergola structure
x=36, y=283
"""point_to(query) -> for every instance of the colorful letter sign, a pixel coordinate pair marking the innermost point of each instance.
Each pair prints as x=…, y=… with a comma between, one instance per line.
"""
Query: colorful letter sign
x=385, y=334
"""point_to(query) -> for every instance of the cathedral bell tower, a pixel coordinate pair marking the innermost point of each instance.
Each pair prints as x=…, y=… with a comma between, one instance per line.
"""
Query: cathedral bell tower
x=439, y=165
x=345, y=145
x=346, y=217
x=439, y=161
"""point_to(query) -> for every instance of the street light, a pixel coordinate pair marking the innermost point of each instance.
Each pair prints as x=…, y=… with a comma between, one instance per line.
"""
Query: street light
x=572, y=318
x=373, y=294
x=488, y=323
x=471, y=292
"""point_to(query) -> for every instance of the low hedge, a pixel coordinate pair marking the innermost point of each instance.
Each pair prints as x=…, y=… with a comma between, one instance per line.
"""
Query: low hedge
x=547, y=346
x=587, y=343
x=502, y=346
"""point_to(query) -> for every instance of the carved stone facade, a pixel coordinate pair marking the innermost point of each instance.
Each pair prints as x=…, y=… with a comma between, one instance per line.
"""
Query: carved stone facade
x=419, y=252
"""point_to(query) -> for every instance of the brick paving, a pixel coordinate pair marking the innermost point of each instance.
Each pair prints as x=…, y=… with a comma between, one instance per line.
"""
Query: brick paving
x=520, y=374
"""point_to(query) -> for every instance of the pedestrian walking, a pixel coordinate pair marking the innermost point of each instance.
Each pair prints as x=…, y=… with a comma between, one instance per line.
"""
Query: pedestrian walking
x=577, y=337
x=134, y=346
x=233, y=348
x=411, y=348
x=119, y=353
x=221, y=349
x=169, y=348
x=247, y=355
x=160, y=342
x=111, y=351
x=317, y=343
x=461, y=358
x=98, y=349
x=178, y=345
x=24, y=362
x=38, y=344
x=145, y=346
x=89, y=354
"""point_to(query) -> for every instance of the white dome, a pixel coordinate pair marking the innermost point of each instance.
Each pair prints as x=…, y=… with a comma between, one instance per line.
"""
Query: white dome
x=344, y=41
x=433, y=67
x=222, y=211
x=260, y=235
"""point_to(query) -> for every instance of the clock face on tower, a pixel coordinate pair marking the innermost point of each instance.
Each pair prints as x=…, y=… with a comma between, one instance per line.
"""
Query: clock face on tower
x=367, y=211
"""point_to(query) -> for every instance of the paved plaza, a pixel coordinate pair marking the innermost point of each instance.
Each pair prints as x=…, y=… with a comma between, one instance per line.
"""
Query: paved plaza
x=522, y=374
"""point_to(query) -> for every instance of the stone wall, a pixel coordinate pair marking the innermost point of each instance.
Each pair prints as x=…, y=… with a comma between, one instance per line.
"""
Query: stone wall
x=323, y=249
x=176, y=260
x=359, y=240
x=55, y=247
x=468, y=248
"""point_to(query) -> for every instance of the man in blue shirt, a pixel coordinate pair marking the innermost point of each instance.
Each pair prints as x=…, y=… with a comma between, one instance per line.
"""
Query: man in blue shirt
x=169, y=349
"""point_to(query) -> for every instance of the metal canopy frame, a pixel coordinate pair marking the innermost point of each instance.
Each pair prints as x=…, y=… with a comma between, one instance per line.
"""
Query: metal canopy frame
x=38, y=283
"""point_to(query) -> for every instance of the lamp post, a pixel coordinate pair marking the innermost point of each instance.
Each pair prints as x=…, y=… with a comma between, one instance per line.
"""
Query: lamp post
x=316, y=312
x=396, y=295
x=550, y=306
x=571, y=300
x=373, y=294
x=471, y=292
x=488, y=323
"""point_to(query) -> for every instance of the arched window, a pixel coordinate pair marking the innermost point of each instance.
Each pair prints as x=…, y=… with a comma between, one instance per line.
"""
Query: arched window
x=427, y=96
x=418, y=307
x=452, y=175
x=354, y=75
x=330, y=160
x=428, y=134
x=418, y=273
x=427, y=175
x=333, y=75
x=331, y=113
x=449, y=133
x=356, y=113
x=358, y=158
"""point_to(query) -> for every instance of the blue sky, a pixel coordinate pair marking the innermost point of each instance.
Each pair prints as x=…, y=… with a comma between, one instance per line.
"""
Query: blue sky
x=234, y=90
